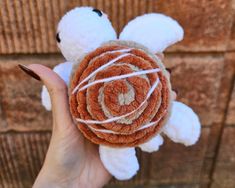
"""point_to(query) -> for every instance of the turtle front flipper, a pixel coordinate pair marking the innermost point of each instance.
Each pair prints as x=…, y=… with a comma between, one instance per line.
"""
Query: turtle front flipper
x=183, y=125
x=155, y=31
x=122, y=163
x=64, y=71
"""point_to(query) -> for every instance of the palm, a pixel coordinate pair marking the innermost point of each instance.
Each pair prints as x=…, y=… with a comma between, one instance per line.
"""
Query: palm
x=77, y=157
x=70, y=159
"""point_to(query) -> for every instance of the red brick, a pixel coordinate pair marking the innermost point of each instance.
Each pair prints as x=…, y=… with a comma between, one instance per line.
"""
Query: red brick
x=230, y=119
x=211, y=152
x=207, y=24
x=30, y=26
x=225, y=87
x=2, y=118
x=177, y=164
x=21, y=158
x=231, y=44
x=20, y=95
x=216, y=129
x=197, y=79
x=206, y=172
x=224, y=174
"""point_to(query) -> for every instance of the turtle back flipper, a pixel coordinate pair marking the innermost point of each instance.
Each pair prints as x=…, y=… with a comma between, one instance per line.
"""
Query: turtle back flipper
x=122, y=163
x=183, y=126
x=155, y=31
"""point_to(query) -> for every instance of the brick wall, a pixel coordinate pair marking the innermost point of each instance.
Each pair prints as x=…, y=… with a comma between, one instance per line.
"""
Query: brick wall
x=203, y=71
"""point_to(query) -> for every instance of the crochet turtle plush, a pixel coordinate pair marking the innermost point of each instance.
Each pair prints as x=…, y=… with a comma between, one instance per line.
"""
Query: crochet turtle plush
x=119, y=89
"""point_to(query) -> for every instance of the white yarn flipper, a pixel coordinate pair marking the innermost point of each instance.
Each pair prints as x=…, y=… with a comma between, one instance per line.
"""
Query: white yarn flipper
x=155, y=31
x=122, y=163
x=183, y=125
x=63, y=70
x=153, y=144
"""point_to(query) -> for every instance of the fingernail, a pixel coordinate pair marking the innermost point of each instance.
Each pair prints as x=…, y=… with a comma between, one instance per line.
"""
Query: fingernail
x=169, y=70
x=176, y=91
x=29, y=71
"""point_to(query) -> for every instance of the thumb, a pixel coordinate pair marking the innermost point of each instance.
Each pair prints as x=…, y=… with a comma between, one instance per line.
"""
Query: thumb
x=58, y=93
x=160, y=55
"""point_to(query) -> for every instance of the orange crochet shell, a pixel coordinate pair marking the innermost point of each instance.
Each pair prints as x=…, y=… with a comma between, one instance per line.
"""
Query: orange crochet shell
x=95, y=106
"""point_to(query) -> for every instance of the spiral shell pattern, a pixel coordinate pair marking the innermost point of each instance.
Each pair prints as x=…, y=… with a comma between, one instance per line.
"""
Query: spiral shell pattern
x=120, y=95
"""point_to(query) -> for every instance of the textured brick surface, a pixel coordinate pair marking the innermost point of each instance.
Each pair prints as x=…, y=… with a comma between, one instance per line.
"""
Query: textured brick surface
x=3, y=124
x=231, y=45
x=225, y=86
x=224, y=176
x=30, y=26
x=231, y=108
x=21, y=157
x=207, y=23
x=197, y=79
x=203, y=72
x=230, y=116
x=176, y=163
x=20, y=95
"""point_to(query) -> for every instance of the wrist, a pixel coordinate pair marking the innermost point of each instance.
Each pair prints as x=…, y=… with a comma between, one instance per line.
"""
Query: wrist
x=46, y=179
x=50, y=179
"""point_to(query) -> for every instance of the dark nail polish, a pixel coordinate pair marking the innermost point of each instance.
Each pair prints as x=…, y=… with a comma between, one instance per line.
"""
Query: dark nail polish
x=176, y=91
x=169, y=70
x=29, y=71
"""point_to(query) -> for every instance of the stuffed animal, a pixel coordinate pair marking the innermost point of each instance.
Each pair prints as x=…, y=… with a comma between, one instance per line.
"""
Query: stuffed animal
x=119, y=89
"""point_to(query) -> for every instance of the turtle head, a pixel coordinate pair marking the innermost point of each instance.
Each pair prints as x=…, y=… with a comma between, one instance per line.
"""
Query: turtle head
x=82, y=30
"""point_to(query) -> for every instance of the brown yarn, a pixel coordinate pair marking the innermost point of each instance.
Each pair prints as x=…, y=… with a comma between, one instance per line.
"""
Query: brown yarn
x=105, y=100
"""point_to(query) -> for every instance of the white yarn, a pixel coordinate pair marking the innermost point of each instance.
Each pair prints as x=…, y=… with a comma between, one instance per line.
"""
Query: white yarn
x=45, y=98
x=122, y=163
x=81, y=30
x=183, y=125
x=141, y=128
x=125, y=115
x=120, y=77
x=153, y=144
x=155, y=31
x=101, y=68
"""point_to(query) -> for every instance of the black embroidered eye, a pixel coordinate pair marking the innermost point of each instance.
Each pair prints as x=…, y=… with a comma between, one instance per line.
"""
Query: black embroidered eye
x=97, y=11
x=58, y=37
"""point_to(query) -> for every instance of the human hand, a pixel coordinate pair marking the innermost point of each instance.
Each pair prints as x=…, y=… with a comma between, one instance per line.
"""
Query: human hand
x=71, y=161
